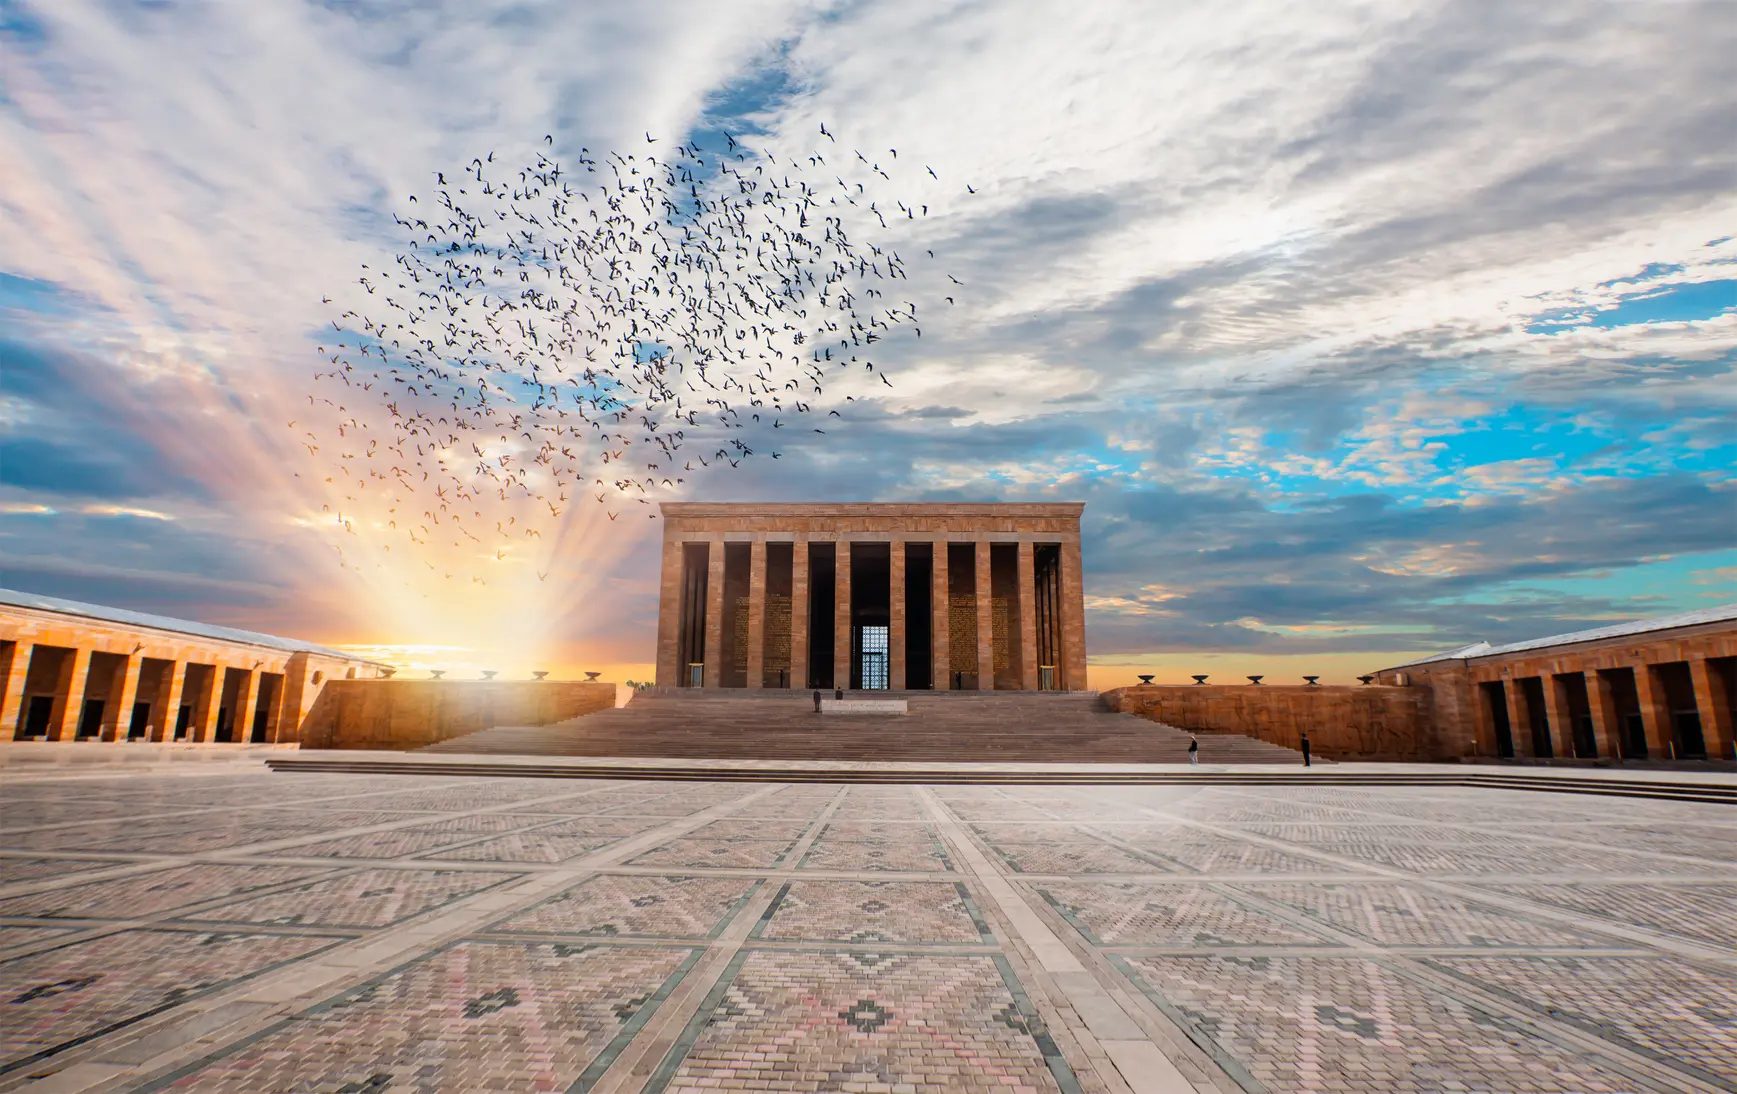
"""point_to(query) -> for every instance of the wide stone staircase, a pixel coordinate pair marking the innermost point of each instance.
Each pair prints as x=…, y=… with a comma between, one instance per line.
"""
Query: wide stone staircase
x=990, y=727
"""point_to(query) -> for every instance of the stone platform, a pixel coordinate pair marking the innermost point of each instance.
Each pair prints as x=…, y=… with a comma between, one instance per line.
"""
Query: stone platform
x=202, y=925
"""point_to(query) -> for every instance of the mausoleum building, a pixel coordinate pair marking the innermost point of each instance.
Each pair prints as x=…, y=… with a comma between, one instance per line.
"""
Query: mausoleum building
x=973, y=597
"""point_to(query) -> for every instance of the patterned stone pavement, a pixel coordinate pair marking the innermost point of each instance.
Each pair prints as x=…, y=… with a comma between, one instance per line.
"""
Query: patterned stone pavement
x=230, y=930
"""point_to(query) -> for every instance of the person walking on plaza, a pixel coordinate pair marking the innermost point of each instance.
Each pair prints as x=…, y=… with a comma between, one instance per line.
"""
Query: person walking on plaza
x=1305, y=748
x=1193, y=750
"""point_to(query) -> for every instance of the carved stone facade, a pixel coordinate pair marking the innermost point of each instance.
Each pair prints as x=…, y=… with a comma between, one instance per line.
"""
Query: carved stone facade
x=899, y=596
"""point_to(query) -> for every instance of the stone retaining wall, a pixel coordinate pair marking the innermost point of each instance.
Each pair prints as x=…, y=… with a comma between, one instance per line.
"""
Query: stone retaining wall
x=1364, y=723
x=407, y=714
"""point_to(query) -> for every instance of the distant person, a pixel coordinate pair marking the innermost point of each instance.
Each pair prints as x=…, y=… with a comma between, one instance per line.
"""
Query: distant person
x=1305, y=750
x=1193, y=750
x=838, y=693
x=817, y=700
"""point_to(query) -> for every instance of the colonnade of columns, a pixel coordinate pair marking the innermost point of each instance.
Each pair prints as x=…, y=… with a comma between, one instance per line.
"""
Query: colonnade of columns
x=1060, y=619
x=47, y=689
x=1604, y=699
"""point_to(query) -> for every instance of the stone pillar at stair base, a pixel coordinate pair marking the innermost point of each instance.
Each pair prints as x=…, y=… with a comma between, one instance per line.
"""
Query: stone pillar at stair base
x=757, y=615
x=896, y=616
x=1026, y=571
x=940, y=616
x=713, y=674
x=799, y=675
x=669, y=607
x=841, y=621
x=984, y=573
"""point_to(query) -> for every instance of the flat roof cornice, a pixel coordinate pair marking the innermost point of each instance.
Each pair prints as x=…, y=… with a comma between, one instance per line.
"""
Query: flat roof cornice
x=55, y=607
x=871, y=509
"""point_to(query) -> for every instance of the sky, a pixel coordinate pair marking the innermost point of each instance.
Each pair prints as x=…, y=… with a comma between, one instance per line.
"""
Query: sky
x=1363, y=330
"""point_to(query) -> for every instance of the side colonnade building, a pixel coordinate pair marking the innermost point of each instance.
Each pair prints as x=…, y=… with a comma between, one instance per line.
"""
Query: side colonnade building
x=973, y=597
x=1652, y=689
x=74, y=671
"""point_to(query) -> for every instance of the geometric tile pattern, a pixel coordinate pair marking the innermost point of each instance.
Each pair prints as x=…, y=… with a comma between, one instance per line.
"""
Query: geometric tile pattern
x=1076, y=858
x=1130, y=913
x=1349, y=1024
x=147, y=894
x=55, y=997
x=874, y=911
x=1404, y=915
x=13, y=870
x=1704, y=912
x=371, y=898
x=536, y=845
x=1206, y=853
x=479, y=1016
x=1685, y=1015
x=640, y=906
x=817, y=1021
x=398, y=842
x=1299, y=938
x=837, y=854
x=721, y=854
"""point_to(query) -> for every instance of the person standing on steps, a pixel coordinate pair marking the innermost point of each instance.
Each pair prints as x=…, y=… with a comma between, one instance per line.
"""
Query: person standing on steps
x=817, y=700
x=1193, y=750
x=1305, y=748
x=839, y=695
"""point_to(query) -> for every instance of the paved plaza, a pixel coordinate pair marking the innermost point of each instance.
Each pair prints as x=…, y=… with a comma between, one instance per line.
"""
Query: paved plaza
x=214, y=927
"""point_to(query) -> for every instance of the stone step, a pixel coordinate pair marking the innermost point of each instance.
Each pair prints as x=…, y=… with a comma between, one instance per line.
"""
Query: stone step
x=1037, y=727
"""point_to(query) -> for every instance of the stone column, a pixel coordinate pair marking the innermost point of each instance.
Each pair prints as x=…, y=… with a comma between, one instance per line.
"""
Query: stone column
x=118, y=714
x=799, y=613
x=757, y=615
x=274, y=707
x=669, y=615
x=1602, y=703
x=896, y=615
x=69, y=695
x=1027, y=616
x=1483, y=722
x=241, y=722
x=1655, y=718
x=12, y=701
x=206, y=704
x=1073, y=619
x=985, y=620
x=168, y=708
x=1519, y=725
x=1556, y=717
x=841, y=616
x=299, y=693
x=1710, y=700
x=940, y=621
x=714, y=670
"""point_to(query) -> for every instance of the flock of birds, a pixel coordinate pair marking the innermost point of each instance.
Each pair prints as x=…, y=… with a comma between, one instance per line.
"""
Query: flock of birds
x=550, y=335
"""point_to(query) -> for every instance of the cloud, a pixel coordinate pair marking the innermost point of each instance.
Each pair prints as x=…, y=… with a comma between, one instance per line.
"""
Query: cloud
x=1372, y=327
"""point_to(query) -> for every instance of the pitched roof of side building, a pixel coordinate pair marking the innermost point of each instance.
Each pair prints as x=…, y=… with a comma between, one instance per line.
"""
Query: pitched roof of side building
x=1721, y=614
x=103, y=613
